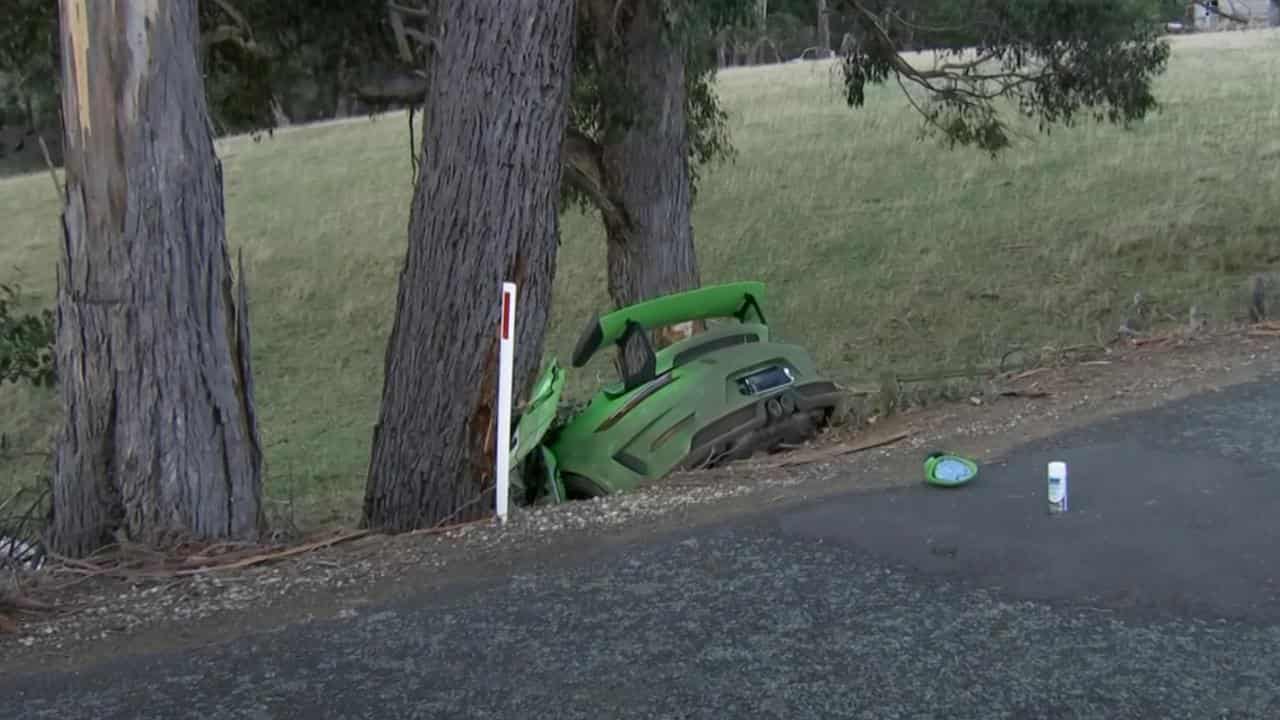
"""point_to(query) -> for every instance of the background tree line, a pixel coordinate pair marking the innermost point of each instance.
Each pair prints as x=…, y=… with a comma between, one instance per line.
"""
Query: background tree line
x=271, y=63
x=618, y=109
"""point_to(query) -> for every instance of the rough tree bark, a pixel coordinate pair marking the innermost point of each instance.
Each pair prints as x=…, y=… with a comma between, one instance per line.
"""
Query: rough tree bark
x=159, y=437
x=638, y=173
x=645, y=163
x=486, y=210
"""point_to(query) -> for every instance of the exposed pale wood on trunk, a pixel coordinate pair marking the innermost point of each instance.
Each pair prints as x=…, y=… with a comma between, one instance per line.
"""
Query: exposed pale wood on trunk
x=486, y=210
x=159, y=438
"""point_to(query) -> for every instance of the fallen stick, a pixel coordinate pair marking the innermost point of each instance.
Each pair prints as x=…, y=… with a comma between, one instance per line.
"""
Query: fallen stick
x=946, y=375
x=225, y=548
x=1029, y=394
x=1264, y=333
x=81, y=578
x=871, y=444
x=79, y=566
x=442, y=529
x=237, y=565
x=268, y=557
x=206, y=564
x=1028, y=373
x=11, y=606
x=840, y=451
x=205, y=559
x=1087, y=347
x=25, y=604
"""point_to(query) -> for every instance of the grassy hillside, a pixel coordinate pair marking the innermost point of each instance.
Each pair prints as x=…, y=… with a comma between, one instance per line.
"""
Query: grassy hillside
x=880, y=250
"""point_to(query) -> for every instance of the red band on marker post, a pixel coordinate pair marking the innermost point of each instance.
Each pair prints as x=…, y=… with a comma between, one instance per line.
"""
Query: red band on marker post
x=506, y=362
x=506, y=315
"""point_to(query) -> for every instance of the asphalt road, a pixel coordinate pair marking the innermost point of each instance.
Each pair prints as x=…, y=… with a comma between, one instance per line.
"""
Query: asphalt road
x=1154, y=597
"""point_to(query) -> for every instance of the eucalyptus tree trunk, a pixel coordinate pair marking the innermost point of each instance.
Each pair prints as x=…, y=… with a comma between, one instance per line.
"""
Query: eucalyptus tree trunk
x=485, y=210
x=159, y=439
x=645, y=157
x=635, y=170
x=644, y=160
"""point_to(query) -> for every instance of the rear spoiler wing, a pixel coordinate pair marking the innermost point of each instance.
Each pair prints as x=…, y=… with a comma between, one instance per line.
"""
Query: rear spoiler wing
x=715, y=301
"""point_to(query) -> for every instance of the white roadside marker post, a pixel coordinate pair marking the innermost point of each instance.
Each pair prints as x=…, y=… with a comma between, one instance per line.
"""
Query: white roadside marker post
x=506, y=360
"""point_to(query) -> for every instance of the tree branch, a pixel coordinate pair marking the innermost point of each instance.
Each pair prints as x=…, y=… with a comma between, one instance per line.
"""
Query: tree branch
x=403, y=34
x=231, y=10
x=419, y=13
x=963, y=84
x=584, y=171
x=48, y=163
x=966, y=66
x=398, y=32
x=912, y=25
x=1097, y=59
x=900, y=65
x=427, y=41
x=233, y=35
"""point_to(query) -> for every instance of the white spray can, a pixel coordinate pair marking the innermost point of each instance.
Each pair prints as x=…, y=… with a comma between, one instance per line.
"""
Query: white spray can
x=1057, y=487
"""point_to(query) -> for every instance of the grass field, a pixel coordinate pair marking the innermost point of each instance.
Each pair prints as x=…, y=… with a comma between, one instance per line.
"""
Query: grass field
x=881, y=251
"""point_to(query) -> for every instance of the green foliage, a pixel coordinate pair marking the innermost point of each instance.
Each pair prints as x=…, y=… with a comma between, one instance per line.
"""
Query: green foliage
x=26, y=342
x=693, y=25
x=28, y=60
x=304, y=54
x=254, y=52
x=1054, y=59
x=238, y=85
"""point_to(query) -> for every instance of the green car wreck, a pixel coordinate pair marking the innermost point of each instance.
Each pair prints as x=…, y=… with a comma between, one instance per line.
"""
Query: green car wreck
x=723, y=394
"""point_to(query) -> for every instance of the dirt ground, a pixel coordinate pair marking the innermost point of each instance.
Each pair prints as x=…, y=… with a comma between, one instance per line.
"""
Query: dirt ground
x=89, y=613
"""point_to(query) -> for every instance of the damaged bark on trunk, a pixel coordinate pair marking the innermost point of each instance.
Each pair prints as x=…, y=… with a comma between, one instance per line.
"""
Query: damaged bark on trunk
x=485, y=210
x=159, y=439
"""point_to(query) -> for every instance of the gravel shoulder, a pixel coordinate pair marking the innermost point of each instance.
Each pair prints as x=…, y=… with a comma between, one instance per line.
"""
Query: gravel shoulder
x=114, y=620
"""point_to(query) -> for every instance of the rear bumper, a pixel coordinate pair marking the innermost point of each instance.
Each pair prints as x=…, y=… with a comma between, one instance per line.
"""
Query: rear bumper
x=807, y=399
